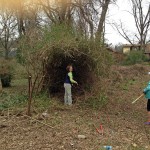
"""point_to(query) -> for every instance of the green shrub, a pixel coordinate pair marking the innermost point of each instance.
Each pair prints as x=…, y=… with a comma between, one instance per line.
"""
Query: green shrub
x=6, y=79
x=5, y=72
x=135, y=57
x=9, y=100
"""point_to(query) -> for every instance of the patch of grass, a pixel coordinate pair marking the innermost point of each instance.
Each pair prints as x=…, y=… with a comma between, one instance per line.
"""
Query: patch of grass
x=10, y=100
x=20, y=82
x=96, y=102
x=135, y=57
x=125, y=86
x=42, y=102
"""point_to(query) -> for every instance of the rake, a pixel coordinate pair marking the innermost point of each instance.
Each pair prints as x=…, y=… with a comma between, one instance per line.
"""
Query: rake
x=137, y=99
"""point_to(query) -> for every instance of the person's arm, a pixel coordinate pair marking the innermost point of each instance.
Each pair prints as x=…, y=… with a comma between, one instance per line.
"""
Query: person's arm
x=146, y=89
x=71, y=78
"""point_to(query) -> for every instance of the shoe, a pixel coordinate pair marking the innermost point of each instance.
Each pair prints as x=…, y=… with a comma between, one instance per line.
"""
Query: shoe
x=147, y=123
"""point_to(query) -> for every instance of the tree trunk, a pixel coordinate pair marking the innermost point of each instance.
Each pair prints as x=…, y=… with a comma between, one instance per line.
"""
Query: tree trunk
x=63, y=10
x=102, y=19
x=21, y=27
x=0, y=86
x=30, y=97
x=6, y=53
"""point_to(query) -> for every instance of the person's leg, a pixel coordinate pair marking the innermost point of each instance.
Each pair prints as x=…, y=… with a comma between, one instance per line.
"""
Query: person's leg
x=69, y=94
x=148, y=109
x=149, y=116
x=66, y=95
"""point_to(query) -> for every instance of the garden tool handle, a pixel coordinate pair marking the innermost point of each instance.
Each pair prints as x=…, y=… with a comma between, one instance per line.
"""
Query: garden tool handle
x=137, y=98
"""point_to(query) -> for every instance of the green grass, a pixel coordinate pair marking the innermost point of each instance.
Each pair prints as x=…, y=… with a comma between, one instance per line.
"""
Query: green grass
x=17, y=96
x=42, y=102
x=135, y=57
x=20, y=82
x=95, y=102
x=12, y=100
x=125, y=86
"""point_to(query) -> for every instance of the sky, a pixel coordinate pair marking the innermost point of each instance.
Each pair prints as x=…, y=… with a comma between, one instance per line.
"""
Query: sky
x=115, y=14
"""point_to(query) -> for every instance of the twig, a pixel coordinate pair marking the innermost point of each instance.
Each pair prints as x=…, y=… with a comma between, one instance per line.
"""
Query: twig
x=96, y=129
x=8, y=114
x=39, y=121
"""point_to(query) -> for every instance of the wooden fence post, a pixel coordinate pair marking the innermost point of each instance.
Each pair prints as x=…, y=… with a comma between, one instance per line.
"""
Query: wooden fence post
x=0, y=86
x=30, y=96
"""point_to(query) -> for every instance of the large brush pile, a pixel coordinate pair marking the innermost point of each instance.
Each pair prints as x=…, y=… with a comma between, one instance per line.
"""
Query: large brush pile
x=89, y=60
x=56, y=69
x=59, y=46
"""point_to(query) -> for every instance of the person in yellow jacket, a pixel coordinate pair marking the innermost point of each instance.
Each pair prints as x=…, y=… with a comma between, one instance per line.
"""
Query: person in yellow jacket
x=68, y=84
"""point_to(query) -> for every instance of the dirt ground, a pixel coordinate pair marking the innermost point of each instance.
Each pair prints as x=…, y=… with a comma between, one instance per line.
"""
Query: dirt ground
x=121, y=123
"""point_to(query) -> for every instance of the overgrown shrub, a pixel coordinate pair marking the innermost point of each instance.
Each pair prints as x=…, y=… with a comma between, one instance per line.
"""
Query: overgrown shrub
x=135, y=57
x=66, y=47
x=46, y=57
x=5, y=72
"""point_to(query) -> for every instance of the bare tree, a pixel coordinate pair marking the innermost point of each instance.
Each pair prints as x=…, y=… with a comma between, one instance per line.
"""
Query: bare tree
x=85, y=11
x=105, y=4
x=142, y=21
x=142, y=24
x=8, y=31
x=123, y=32
x=57, y=11
x=34, y=61
x=20, y=14
x=87, y=16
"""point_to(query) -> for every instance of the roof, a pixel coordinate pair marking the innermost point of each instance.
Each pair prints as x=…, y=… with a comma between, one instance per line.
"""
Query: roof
x=131, y=45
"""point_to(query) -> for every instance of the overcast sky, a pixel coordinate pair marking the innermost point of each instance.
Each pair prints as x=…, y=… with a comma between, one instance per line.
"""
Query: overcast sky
x=117, y=13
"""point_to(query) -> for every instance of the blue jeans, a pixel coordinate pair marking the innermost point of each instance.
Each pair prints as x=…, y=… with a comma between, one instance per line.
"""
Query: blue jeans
x=68, y=94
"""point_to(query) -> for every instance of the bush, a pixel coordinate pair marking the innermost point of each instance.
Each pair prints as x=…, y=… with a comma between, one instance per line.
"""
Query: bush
x=9, y=100
x=6, y=80
x=59, y=46
x=135, y=57
x=5, y=72
x=87, y=56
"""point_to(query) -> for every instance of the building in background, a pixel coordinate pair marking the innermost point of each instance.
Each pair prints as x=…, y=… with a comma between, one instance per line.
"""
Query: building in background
x=127, y=48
